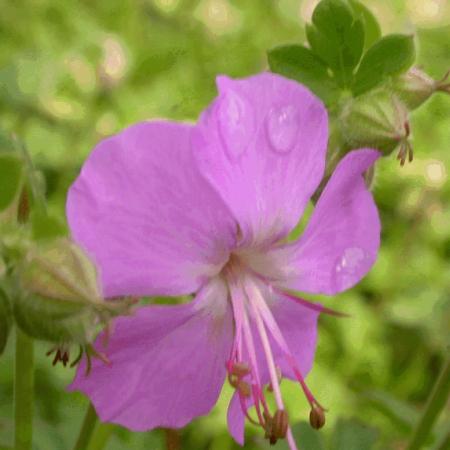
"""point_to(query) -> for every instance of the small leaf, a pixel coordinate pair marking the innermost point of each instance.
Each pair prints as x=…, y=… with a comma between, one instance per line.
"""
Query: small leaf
x=337, y=38
x=350, y=434
x=331, y=17
x=299, y=63
x=391, y=55
x=10, y=179
x=372, y=30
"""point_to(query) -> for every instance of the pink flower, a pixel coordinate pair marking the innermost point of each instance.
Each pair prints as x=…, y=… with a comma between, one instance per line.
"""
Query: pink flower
x=171, y=209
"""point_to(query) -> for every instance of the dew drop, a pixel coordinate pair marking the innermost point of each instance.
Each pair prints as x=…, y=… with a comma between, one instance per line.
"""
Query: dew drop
x=236, y=124
x=282, y=128
x=348, y=266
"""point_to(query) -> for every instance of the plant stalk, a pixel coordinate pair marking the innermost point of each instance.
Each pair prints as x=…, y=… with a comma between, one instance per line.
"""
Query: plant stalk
x=100, y=436
x=435, y=404
x=87, y=428
x=23, y=391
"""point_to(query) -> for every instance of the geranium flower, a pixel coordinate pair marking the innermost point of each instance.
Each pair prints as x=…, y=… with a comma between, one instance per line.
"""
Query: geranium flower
x=169, y=209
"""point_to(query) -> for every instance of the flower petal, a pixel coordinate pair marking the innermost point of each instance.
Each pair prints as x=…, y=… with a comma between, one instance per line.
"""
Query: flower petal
x=167, y=367
x=262, y=144
x=236, y=419
x=341, y=241
x=140, y=208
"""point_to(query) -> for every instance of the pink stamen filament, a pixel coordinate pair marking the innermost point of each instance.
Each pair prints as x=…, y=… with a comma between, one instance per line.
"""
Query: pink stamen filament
x=279, y=338
x=270, y=360
x=243, y=327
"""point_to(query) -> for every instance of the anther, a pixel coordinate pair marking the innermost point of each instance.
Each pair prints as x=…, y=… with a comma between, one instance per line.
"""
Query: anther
x=280, y=424
x=317, y=417
x=240, y=369
x=244, y=388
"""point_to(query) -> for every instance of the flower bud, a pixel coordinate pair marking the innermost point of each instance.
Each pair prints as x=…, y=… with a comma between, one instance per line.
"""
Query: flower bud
x=61, y=300
x=5, y=320
x=415, y=87
x=377, y=120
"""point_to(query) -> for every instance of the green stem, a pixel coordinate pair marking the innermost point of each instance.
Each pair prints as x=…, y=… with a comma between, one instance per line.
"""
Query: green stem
x=89, y=423
x=23, y=391
x=434, y=406
x=100, y=437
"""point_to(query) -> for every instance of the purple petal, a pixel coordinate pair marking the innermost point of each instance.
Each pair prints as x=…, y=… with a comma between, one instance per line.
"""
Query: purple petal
x=236, y=419
x=341, y=241
x=167, y=367
x=262, y=144
x=140, y=208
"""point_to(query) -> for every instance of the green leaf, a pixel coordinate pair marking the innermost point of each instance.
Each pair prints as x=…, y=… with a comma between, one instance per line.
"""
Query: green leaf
x=372, y=30
x=337, y=38
x=391, y=55
x=45, y=226
x=10, y=179
x=300, y=64
x=350, y=434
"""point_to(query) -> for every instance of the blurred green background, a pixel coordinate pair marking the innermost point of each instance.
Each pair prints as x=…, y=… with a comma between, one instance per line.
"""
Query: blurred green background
x=73, y=72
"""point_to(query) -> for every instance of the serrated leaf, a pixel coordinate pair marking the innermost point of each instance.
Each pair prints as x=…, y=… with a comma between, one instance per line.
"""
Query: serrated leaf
x=299, y=63
x=337, y=38
x=372, y=30
x=350, y=434
x=391, y=55
x=10, y=179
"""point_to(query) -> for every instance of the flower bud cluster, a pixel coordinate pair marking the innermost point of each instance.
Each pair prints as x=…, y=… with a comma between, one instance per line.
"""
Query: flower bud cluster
x=380, y=119
x=60, y=299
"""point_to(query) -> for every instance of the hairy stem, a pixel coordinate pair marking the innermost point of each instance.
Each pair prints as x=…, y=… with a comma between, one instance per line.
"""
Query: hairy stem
x=435, y=404
x=87, y=428
x=23, y=391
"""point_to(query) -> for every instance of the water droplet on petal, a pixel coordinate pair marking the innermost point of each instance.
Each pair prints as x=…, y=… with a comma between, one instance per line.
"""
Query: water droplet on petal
x=236, y=123
x=283, y=127
x=348, y=266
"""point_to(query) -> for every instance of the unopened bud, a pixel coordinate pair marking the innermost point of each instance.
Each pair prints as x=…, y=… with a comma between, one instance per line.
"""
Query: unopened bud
x=377, y=120
x=5, y=320
x=415, y=87
x=317, y=417
x=61, y=301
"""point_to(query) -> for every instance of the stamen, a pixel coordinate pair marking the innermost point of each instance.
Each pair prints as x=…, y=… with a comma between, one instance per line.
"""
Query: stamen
x=317, y=417
x=278, y=336
x=243, y=331
x=280, y=424
x=240, y=369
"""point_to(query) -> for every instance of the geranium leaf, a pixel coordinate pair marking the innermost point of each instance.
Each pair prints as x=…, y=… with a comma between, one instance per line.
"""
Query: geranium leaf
x=300, y=63
x=391, y=55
